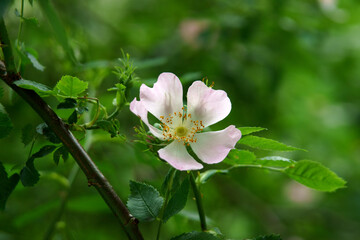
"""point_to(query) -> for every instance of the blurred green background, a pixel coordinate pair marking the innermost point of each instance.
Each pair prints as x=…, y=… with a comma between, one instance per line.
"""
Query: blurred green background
x=290, y=66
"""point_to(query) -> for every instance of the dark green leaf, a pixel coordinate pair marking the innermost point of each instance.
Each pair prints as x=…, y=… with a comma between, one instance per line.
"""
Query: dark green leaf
x=268, y=237
x=43, y=129
x=195, y=236
x=29, y=175
x=45, y=150
x=249, y=130
x=265, y=144
x=60, y=152
x=314, y=175
x=73, y=117
x=173, y=173
x=58, y=28
x=39, y=88
x=144, y=202
x=4, y=4
x=5, y=123
x=178, y=201
x=7, y=185
x=67, y=104
x=70, y=86
x=27, y=134
x=111, y=126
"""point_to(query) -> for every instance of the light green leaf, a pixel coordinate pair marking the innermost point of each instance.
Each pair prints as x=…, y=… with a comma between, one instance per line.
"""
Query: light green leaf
x=178, y=201
x=314, y=175
x=35, y=62
x=144, y=202
x=7, y=185
x=205, y=176
x=265, y=144
x=5, y=122
x=70, y=86
x=195, y=236
x=237, y=156
x=39, y=88
x=249, y=130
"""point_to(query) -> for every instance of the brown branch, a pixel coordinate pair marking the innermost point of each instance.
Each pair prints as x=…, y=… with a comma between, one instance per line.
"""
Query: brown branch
x=93, y=174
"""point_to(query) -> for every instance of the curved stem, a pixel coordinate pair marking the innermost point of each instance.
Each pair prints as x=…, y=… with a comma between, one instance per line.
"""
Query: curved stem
x=93, y=174
x=167, y=196
x=199, y=204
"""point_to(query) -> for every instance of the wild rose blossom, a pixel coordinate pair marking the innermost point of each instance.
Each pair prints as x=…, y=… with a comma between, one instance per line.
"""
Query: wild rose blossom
x=183, y=126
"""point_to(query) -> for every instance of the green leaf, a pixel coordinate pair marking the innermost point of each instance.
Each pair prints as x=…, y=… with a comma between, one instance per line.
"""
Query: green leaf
x=178, y=201
x=73, y=117
x=175, y=181
x=268, y=237
x=39, y=88
x=58, y=28
x=316, y=176
x=29, y=175
x=265, y=144
x=144, y=202
x=68, y=103
x=205, y=176
x=7, y=185
x=34, y=60
x=4, y=4
x=1, y=92
x=111, y=126
x=71, y=86
x=237, y=156
x=249, y=130
x=5, y=122
x=60, y=152
x=27, y=134
x=43, y=129
x=195, y=236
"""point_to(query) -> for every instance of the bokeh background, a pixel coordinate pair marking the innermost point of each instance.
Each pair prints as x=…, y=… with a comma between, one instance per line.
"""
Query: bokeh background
x=290, y=66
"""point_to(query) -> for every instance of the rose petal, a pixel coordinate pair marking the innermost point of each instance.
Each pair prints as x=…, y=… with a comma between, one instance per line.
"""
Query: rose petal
x=177, y=156
x=207, y=104
x=165, y=97
x=138, y=108
x=213, y=147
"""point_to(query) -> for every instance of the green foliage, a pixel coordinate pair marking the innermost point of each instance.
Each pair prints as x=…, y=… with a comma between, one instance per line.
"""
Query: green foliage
x=315, y=175
x=7, y=185
x=110, y=126
x=27, y=134
x=29, y=55
x=3, y=6
x=29, y=175
x=178, y=200
x=73, y=117
x=144, y=202
x=195, y=236
x=265, y=144
x=237, y=156
x=43, y=129
x=1, y=92
x=39, y=88
x=70, y=86
x=60, y=152
x=58, y=29
x=249, y=130
x=268, y=237
x=5, y=122
x=68, y=103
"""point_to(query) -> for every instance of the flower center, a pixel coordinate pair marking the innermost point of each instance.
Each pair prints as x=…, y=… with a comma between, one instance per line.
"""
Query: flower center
x=179, y=126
